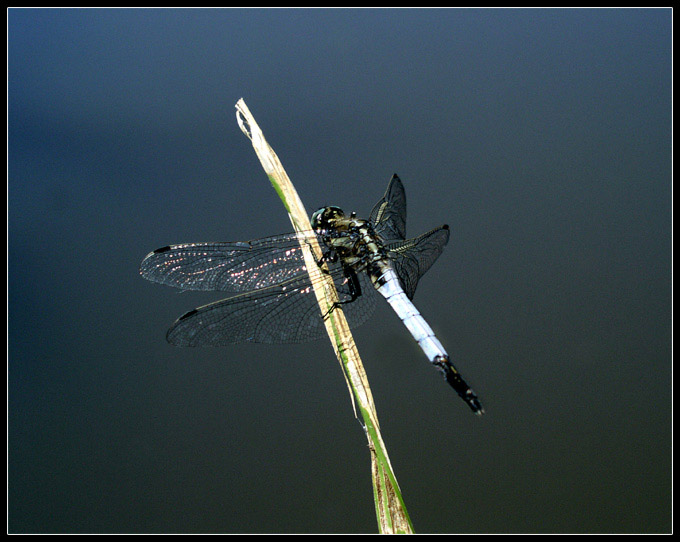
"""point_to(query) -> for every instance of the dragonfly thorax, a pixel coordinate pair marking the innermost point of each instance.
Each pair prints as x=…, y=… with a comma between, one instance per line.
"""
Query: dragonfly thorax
x=353, y=241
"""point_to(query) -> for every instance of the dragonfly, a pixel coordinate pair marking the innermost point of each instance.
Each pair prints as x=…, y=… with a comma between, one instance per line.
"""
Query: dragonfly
x=273, y=299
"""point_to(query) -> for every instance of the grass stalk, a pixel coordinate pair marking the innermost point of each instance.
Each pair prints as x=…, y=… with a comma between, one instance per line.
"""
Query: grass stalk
x=390, y=509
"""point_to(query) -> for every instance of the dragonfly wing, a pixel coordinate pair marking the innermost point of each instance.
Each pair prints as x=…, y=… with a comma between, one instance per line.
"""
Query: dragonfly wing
x=230, y=267
x=283, y=313
x=389, y=214
x=413, y=257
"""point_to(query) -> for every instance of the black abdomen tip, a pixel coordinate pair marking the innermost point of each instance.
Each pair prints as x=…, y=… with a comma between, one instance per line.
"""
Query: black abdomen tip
x=456, y=381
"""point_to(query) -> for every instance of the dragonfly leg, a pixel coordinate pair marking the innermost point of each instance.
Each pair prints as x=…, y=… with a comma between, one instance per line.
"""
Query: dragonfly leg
x=354, y=290
x=330, y=256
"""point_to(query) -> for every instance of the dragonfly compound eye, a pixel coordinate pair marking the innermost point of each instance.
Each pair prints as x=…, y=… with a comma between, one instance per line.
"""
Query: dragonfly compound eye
x=324, y=218
x=316, y=219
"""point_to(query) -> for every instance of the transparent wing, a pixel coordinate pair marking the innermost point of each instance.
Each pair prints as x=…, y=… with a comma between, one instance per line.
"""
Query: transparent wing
x=229, y=267
x=413, y=257
x=389, y=214
x=286, y=312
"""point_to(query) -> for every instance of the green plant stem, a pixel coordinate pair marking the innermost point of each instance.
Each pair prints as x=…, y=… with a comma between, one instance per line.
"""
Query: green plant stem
x=389, y=504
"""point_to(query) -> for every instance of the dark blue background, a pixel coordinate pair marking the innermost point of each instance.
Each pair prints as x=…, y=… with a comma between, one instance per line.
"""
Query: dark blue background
x=543, y=137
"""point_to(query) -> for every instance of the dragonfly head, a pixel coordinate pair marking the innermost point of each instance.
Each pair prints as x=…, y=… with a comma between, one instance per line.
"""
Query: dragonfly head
x=324, y=218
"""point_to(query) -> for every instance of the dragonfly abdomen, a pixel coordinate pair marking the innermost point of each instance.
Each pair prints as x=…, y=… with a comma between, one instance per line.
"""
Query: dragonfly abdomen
x=388, y=285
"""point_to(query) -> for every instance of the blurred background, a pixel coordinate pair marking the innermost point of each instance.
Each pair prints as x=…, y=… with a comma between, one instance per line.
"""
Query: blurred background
x=542, y=137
